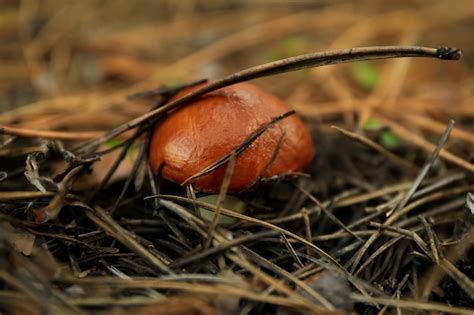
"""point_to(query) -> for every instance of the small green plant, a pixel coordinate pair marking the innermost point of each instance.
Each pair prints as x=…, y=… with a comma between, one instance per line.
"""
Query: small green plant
x=365, y=74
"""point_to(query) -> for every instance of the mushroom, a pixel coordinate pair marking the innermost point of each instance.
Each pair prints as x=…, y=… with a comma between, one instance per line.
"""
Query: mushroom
x=193, y=137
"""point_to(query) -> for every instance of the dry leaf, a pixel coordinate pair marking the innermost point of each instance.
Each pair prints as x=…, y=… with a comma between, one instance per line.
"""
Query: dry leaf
x=21, y=240
x=177, y=305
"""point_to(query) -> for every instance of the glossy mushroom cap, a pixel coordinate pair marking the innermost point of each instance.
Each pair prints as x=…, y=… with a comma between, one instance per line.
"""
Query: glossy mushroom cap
x=197, y=135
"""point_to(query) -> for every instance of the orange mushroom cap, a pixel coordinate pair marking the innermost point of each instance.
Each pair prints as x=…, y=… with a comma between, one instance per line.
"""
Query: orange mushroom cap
x=202, y=132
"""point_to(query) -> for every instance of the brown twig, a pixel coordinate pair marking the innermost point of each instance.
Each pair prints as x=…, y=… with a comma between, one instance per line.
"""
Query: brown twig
x=49, y=134
x=286, y=65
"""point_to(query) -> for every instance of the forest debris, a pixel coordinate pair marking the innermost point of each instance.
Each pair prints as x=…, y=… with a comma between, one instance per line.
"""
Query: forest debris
x=21, y=240
x=176, y=305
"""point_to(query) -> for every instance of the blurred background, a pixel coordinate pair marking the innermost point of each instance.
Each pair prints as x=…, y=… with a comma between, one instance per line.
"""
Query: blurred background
x=90, y=54
x=69, y=65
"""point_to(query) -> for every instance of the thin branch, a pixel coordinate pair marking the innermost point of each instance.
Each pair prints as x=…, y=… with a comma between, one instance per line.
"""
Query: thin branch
x=220, y=199
x=287, y=65
x=424, y=171
x=411, y=304
x=377, y=147
x=49, y=134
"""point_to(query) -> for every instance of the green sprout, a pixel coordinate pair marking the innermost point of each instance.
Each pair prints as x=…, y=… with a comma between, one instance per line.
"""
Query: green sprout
x=365, y=74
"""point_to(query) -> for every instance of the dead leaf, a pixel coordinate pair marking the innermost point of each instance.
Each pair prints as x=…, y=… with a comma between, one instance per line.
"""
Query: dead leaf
x=22, y=241
x=177, y=305
x=42, y=183
x=54, y=207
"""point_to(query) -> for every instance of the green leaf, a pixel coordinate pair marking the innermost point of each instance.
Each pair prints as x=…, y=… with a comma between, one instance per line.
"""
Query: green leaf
x=269, y=56
x=292, y=45
x=390, y=140
x=287, y=47
x=365, y=74
x=373, y=123
x=132, y=152
x=113, y=142
x=172, y=81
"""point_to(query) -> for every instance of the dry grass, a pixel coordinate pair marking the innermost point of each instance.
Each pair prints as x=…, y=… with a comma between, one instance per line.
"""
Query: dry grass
x=382, y=222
